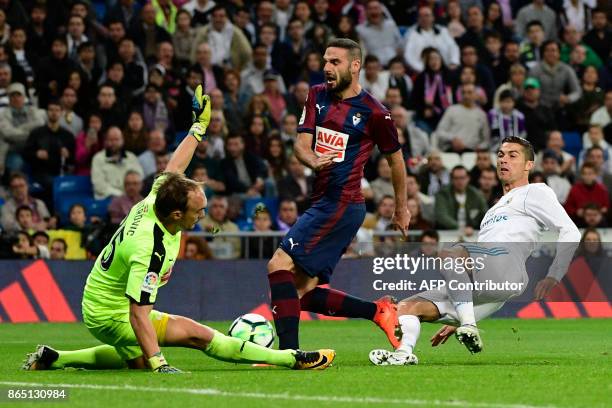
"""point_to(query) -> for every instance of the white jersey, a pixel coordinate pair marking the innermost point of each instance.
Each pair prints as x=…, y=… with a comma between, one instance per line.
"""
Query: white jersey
x=521, y=216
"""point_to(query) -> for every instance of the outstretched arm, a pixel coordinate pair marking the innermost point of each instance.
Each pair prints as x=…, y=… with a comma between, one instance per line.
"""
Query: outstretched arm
x=201, y=118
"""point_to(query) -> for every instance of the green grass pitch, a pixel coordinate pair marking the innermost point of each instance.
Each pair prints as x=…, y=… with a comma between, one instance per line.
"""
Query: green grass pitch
x=538, y=363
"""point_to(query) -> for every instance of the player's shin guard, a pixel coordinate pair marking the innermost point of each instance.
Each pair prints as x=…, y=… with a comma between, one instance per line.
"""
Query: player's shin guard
x=332, y=302
x=99, y=357
x=411, y=329
x=285, y=309
x=234, y=350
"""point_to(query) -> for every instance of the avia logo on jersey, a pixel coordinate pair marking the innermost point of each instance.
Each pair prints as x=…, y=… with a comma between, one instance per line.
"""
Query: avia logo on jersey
x=493, y=219
x=331, y=141
x=149, y=283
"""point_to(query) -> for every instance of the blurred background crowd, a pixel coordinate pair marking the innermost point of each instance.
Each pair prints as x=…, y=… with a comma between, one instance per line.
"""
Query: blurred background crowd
x=95, y=95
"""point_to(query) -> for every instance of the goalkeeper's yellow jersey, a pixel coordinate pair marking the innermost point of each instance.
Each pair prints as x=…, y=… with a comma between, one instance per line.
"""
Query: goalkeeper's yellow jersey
x=131, y=266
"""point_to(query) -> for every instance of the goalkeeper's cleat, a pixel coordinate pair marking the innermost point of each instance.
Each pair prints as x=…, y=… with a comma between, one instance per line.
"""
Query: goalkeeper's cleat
x=41, y=359
x=386, y=318
x=313, y=360
x=469, y=336
x=382, y=357
x=167, y=369
x=200, y=111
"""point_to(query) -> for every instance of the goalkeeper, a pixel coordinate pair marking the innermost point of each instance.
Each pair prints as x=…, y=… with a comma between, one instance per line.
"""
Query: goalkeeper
x=122, y=286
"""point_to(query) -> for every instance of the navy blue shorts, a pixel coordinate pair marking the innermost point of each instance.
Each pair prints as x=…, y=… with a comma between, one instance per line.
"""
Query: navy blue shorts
x=321, y=235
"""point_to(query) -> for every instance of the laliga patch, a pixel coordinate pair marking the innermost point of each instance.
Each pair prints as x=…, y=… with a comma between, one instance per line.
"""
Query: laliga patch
x=331, y=141
x=150, y=282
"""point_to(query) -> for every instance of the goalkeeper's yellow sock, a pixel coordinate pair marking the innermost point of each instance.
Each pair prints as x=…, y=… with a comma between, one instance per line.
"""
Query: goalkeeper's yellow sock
x=99, y=357
x=234, y=350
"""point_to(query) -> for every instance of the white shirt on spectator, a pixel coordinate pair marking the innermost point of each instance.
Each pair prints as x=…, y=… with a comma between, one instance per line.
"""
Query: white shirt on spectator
x=417, y=39
x=382, y=41
x=378, y=87
x=601, y=117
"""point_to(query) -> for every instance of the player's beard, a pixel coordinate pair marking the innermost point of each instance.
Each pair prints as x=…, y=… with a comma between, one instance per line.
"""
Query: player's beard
x=343, y=81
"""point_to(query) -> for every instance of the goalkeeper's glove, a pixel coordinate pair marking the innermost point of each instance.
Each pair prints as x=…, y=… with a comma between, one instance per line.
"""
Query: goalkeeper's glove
x=200, y=111
x=159, y=364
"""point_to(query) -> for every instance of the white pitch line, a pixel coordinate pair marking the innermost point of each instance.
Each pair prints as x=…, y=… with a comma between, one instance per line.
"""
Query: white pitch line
x=283, y=396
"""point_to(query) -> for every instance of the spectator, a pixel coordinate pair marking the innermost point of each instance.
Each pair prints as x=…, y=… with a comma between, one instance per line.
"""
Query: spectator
x=460, y=206
x=494, y=58
x=400, y=81
x=39, y=32
x=560, y=85
x=555, y=143
x=379, y=34
x=298, y=46
x=455, y=24
x=599, y=38
x=602, y=115
x=382, y=186
x=26, y=249
x=87, y=66
x=483, y=76
x=468, y=76
x=313, y=68
x=464, y=126
x=476, y=31
x=592, y=98
x=120, y=206
x=230, y=47
x=109, y=47
x=161, y=162
x=415, y=140
x=384, y=213
x=505, y=121
x=277, y=51
x=196, y=249
x=108, y=167
x=49, y=82
x=69, y=119
x=426, y=202
x=530, y=47
x=75, y=35
x=572, y=38
x=539, y=119
x=296, y=99
x=87, y=143
x=58, y=250
x=156, y=144
x=489, y=186
x=199, y=10
x=110, y=110
x=483, y=162
x=49, y=150
x=41, y=239
x=433, y=175
x=242, y=19
x=16, y=122
x=5, y=81
x=417, y=222
x=296, y=185
x=276, y=100
x=244, y=172
x=287, y=215
x=216, y=220
x=577, y=13
x=215, y=178
x=537, y=10
x=373, y=78
x=135, y=134
x=216, y=135
x=595, y=137
x=183, y=39
x=251, y=78
x=426, y=34
x=276, y=159
x=260, y=247
x=432, y=93
x=551, y=162
x=499, y=22
x=235, y=100
x=23, y=58
x=155, y=111
x=593, y=217
x=288, y=130
x=136, y=73
x=25, y=222
x=146, y=33
x=587, y=190
x=595, y=156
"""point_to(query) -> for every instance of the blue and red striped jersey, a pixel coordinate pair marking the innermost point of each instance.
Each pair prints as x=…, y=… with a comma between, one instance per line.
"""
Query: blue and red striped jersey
x=350, y=128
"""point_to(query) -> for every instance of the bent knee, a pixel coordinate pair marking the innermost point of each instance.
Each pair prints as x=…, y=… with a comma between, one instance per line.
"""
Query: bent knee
x=280, y=261
x=424, y=309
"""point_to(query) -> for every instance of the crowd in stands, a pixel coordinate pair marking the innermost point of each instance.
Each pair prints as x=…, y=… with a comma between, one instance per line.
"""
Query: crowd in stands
x=102, y=89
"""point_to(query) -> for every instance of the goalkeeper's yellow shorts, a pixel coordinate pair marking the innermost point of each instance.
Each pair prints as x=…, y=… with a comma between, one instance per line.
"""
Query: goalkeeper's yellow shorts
x=118, y=333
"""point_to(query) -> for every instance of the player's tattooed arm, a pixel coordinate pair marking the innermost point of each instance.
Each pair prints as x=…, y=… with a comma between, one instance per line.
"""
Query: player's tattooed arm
x=305, y=154
x=401, y=217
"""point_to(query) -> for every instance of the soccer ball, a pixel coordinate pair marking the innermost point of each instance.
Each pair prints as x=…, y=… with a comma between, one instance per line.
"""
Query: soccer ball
x=254, y=328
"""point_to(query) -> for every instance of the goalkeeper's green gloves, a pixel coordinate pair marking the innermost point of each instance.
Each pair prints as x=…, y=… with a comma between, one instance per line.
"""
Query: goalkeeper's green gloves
x=159, y=364
x=200, y=111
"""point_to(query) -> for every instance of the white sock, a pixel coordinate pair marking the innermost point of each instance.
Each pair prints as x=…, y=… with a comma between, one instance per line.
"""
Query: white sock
x=411, y=329
x=465, y=312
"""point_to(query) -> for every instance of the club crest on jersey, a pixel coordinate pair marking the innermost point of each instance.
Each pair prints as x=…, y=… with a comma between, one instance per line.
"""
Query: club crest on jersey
x=149, y=283
x=356, y=119
x=331, y=141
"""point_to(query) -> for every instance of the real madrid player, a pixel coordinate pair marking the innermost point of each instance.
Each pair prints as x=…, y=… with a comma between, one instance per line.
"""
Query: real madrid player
x=508, y=234
x=122, y=286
